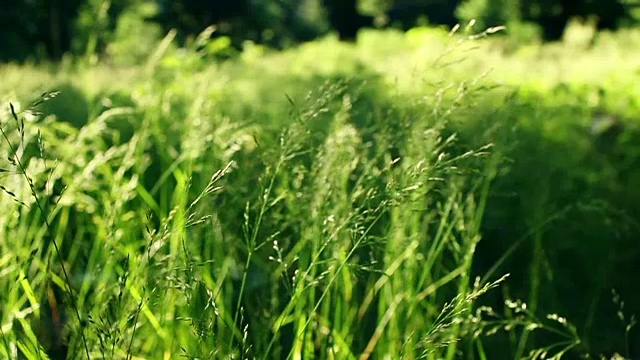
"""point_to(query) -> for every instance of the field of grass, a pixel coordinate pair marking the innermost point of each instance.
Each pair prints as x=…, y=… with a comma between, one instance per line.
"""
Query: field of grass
x=420, y=195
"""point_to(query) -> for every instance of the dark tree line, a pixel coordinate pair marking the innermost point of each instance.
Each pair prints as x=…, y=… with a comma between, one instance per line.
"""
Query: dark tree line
x=51, y=28
x=553, y=15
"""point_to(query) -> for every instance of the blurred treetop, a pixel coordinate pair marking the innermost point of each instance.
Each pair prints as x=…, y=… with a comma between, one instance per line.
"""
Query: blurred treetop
x=48, y=29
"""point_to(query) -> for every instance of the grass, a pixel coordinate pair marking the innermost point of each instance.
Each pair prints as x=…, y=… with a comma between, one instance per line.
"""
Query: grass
x=389, y=199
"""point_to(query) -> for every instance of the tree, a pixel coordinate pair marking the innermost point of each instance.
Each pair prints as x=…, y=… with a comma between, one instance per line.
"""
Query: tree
x=345, y=18
x=39, y=27
x=406, y=13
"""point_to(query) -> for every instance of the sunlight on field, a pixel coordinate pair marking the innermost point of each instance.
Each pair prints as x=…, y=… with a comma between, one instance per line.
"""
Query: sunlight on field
x=334, y=200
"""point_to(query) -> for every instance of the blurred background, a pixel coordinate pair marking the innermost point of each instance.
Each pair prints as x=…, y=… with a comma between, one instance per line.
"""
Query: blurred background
x=49, y=29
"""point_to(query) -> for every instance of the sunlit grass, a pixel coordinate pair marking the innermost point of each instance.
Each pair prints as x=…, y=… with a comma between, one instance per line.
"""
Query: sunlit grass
x=332, y=201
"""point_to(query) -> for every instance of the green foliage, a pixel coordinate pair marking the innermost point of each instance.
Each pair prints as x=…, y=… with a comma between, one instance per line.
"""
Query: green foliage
x=40, y=30
x=134, y=38
x=330, y=201
x=92, y=27
x=70, y=106
x=489, y=13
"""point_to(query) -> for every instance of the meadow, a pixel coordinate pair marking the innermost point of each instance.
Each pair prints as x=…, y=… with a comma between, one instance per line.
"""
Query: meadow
x=419, y=195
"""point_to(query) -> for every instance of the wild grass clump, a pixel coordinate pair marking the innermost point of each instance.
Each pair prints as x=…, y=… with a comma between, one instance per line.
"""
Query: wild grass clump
x=328, y=245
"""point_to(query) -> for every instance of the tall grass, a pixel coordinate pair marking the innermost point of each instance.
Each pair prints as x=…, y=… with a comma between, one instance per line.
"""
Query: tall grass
x=340, y=218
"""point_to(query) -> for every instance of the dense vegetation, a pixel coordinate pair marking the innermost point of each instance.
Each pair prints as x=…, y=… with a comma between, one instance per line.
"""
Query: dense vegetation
x=409, y=195
x=49, y=29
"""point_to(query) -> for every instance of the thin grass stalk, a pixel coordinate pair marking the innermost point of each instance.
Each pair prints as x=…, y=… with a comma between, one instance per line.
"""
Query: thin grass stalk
x=67, y=278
